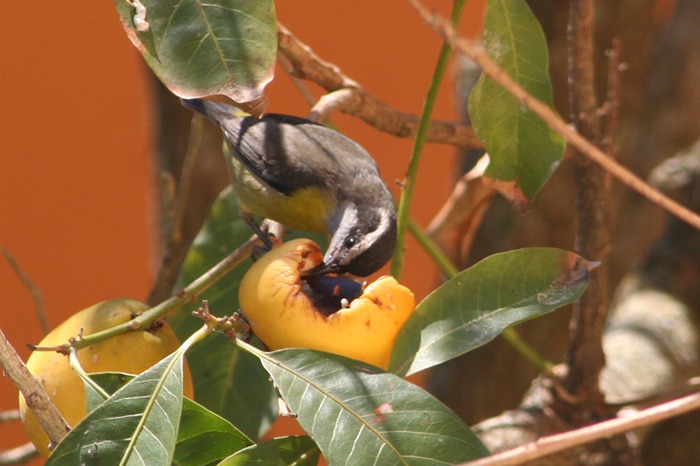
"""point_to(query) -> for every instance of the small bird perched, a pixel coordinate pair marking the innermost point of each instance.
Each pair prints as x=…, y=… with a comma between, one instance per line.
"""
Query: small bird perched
x=312, y=178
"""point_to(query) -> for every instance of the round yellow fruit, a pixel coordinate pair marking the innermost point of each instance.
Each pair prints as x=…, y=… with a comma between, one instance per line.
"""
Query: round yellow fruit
x=132, y=352
x=284, y=308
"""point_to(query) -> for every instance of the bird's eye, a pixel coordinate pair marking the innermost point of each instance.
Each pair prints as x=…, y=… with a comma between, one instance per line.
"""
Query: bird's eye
x=350, y=242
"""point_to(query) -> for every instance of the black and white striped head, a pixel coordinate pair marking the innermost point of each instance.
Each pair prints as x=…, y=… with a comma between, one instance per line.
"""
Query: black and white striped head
x=363, y=240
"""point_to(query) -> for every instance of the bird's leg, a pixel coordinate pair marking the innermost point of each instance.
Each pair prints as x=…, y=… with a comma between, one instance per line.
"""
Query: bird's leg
x=264, y=237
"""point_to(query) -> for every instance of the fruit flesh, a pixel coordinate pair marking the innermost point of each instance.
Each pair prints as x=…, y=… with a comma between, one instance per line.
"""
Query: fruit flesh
x=281, y=314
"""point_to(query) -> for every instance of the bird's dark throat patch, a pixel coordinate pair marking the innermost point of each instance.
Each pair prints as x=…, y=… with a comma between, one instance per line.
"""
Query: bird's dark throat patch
x=330, y=294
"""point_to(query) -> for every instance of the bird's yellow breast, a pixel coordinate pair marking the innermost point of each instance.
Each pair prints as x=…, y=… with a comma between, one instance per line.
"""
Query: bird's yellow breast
x=305, y=209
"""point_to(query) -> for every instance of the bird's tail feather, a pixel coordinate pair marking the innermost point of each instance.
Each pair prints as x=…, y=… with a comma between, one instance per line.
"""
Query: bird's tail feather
x=213, y=110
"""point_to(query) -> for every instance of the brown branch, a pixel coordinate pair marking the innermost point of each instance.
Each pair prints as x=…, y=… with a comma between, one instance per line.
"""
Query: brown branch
x=329, y=103
x=49, y=418
x=37, y=296
x=611, y=107
x=560, y=442
x=175, y=213
x=462, y=213
x=358, y=102
x=585, y=358
x=477, y=53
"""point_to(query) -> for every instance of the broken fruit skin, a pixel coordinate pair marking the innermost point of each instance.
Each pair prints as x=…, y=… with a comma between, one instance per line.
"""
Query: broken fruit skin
x=282, y=316
x=132, y=352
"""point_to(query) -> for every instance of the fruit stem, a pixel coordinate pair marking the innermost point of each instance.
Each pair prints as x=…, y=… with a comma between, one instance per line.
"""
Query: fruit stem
x=74, y=364
x=189, y=294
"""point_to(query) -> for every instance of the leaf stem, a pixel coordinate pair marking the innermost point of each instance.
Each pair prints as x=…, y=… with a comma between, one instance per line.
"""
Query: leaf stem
x=410, y=180
x=74, y=364
x=528, y=352
x=443, y=262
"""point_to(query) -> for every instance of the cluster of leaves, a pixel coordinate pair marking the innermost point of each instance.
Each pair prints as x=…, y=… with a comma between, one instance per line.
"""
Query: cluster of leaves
x=352, y=412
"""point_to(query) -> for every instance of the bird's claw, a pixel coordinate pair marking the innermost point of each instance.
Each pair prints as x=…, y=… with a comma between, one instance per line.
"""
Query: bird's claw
x=270, y=242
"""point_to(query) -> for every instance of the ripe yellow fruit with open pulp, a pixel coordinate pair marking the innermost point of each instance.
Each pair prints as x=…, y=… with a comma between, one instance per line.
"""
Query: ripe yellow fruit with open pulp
x=285, y=309
x=132, y=352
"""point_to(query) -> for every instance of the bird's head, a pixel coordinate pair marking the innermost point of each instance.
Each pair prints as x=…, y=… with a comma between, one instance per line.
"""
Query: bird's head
x=364, y=239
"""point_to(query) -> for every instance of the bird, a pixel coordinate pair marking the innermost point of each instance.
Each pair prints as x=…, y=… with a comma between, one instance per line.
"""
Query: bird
x=308, y=177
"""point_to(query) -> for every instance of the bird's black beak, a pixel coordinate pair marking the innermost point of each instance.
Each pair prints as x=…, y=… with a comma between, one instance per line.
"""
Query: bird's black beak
x=322, y=269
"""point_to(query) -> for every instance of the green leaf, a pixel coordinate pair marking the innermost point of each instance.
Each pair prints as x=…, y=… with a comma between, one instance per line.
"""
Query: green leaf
x=358, y=414
x=137, y=425
x=523, y=151
x=227, y=381
x=201, y=48
x=475, y=306
x=282, y=451
x=205, y=438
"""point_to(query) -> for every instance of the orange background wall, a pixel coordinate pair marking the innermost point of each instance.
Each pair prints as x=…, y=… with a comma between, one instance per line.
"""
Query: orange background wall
x=76, y=194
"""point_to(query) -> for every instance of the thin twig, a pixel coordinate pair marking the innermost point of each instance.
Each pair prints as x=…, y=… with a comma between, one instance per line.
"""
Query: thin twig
x=329, y=103
x=18, y=455
x=477, y=53
x=37, y=400
x=463, y=211
x=190, y=294
x=307, y=65
x=11, y=415
x=560, y=442
x=298, y=83
x=37, y=296
x=663, y=395
x=169, y=268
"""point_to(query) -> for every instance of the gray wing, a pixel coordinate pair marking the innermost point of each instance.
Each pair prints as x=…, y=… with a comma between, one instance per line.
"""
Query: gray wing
x=289, y=152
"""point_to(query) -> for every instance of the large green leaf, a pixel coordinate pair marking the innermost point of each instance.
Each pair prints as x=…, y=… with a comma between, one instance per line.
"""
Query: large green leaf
x=203, y=438
x=358, y=414
x=201, y=48
x=474, y=307
x=229, y=382
x=282, y=451
x=137, y=425
x=523, y=151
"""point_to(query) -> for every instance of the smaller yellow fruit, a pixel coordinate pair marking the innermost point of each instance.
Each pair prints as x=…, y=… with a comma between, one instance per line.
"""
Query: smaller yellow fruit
x=284, y=308
x=131, y=352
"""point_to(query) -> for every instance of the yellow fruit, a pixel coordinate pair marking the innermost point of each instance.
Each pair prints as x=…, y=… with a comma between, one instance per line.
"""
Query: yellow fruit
x=131, y=352
x=284, y=311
